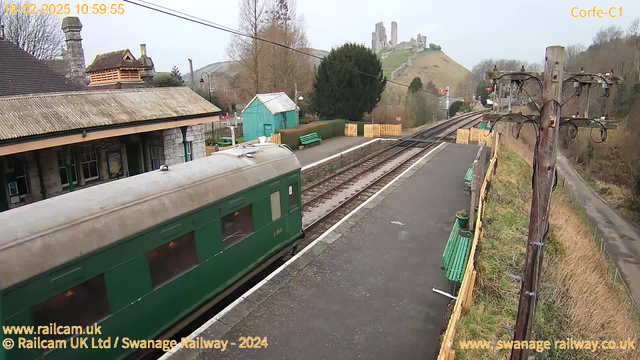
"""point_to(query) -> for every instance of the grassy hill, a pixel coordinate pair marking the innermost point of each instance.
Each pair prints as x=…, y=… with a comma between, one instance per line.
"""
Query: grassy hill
x=428, y=65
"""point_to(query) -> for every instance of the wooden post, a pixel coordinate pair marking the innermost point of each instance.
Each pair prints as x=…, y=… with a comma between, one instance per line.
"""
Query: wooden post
x=475, y=185
x=541, y=200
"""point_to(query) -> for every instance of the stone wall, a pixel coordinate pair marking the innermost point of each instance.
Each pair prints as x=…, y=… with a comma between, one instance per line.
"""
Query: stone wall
x=323, y=170
x=174, y=149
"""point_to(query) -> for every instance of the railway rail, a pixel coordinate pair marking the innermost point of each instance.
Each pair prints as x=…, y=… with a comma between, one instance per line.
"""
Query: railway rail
x=334, y=197
x=347, y=185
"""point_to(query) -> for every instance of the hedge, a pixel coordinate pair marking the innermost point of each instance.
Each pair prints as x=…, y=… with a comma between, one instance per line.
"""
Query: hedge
x=326, y=130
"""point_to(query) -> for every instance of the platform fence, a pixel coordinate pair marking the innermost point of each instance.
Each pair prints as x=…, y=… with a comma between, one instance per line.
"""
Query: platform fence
x=463, y=301
x=273, y=139
x=378, y=130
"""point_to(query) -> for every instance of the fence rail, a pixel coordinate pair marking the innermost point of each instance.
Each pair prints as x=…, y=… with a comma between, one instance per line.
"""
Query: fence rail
x=274, y=139
x=466, y=289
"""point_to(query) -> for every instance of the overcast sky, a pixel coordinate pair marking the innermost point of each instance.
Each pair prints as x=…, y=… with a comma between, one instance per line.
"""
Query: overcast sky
x=467, y=30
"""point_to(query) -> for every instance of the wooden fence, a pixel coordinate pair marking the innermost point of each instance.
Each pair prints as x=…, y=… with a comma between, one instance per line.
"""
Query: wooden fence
x=351, y=130
x=378, y=130
x=390, y=130
x=466, y=289
x=274, y=139
x=462, y=136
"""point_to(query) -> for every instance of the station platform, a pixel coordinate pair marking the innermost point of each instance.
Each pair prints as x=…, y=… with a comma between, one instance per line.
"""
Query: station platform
x=328, y=148
x=364, y=288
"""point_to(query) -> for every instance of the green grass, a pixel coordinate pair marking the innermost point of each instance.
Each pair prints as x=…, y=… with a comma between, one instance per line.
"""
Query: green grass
x=501, y=252
x=396, y=59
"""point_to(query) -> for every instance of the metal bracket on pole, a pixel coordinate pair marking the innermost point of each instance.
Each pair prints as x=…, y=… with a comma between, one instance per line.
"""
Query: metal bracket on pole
x=514, y=277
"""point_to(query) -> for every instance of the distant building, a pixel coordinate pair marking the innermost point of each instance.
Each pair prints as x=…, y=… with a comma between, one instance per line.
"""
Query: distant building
x=267, y=113
x=116, y=70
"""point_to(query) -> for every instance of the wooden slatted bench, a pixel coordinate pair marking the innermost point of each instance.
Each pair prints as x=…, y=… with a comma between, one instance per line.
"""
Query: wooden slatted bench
x=310, y=139
x=456, y=254
x=468, y=177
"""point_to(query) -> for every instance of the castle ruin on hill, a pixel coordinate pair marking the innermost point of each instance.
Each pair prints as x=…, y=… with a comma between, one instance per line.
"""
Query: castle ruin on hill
x=380, y=44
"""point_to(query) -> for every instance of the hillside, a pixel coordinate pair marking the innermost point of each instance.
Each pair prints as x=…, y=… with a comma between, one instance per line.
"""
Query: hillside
x=428, y=65
x=230, y=68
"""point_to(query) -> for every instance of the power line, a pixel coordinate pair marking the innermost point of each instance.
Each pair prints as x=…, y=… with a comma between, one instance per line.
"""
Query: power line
x=191, y=18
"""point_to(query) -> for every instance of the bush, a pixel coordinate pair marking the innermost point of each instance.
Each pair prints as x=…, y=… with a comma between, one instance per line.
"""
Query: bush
x=455, y=107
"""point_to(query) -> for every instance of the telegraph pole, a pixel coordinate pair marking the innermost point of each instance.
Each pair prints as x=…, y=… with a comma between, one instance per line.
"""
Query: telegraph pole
x=547, y=126
x=543, y=185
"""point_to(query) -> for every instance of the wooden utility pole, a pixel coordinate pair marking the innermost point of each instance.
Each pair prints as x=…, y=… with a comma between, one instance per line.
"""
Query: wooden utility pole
x=543, y=183
x=548, y=124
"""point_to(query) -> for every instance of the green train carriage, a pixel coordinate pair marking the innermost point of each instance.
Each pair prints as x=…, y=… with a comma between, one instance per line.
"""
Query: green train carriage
x=138, y=255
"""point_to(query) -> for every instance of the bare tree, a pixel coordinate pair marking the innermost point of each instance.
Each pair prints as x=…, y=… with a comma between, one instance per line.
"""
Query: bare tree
x=246, y=51
x=286, y=67
x=571, y=53
x=634, y=28
x=40, y=34
x=265, y=66
x=609, y=34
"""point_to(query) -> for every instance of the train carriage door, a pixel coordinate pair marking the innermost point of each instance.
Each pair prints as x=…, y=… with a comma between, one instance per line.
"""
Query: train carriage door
x=294, y=213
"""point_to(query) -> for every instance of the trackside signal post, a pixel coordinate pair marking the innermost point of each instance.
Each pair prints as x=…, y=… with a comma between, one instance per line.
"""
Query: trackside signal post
x=547, y=125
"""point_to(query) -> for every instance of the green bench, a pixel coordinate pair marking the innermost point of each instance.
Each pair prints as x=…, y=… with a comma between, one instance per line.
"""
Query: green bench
x=310, y=139
x=468, y=177
x=456, y=254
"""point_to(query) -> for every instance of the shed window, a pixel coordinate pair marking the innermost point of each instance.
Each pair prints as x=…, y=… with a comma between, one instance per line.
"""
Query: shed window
x=293, y=195
x=237, y=226
x=172, y=259
x=64, y=178
x=275, y=206
x=82, y=305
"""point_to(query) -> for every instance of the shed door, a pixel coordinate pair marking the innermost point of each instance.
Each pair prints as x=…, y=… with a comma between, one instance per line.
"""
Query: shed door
x=268, y=129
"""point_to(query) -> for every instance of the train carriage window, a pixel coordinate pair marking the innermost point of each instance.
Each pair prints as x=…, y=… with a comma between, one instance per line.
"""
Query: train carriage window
x=237, y=226
x=275, y=206
x=293, y=195
x=82, y=306
x=172, y=259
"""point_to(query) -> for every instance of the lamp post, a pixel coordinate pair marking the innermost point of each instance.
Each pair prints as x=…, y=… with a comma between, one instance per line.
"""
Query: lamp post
x=208, y=82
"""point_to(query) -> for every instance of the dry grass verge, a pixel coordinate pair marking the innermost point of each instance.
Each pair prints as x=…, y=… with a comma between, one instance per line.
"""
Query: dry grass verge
x=585, y=304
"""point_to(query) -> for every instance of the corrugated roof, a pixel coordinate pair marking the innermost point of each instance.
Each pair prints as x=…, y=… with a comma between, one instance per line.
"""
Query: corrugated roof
x=114, y=60
x=275, y=102
x=24, y=116
x=22, y=73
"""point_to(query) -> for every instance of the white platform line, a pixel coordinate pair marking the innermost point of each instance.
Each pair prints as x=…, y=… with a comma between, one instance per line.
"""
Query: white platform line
x=285, y=265
x=344, y=152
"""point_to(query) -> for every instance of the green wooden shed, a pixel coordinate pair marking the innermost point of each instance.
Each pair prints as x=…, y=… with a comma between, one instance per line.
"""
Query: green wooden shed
x=267, y=113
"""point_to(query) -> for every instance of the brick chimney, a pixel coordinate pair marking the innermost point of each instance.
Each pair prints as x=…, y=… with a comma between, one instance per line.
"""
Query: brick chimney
x=149, y=70
x=74, y=54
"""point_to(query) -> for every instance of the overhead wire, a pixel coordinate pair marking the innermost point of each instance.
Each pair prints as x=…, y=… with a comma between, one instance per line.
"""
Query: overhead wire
x=184, y=16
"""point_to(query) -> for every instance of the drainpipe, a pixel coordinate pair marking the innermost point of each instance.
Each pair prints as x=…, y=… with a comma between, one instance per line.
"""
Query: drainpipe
x=67, y=163
x=184, y=142
x=43, y=189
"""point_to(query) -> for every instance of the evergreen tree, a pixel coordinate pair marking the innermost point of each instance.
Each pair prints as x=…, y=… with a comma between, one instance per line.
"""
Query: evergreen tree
x=341, y=92
x=416, y=84
x=175, y=72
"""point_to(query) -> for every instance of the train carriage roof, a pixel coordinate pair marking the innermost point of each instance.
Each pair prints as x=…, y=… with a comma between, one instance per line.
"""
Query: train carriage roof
x=44, y=235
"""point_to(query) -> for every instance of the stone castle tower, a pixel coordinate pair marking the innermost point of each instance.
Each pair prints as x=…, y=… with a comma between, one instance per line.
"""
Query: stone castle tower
x=394, y=34
x=379, y=38
x=74, y=54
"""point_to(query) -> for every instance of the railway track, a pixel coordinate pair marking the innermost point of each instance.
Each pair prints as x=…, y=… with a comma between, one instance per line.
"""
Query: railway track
x=329, y=200
x=333, y=198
